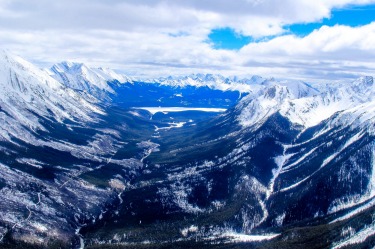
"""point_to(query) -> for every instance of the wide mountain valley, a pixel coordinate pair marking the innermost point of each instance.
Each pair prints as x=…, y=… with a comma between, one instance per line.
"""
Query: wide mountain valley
x=90, y=158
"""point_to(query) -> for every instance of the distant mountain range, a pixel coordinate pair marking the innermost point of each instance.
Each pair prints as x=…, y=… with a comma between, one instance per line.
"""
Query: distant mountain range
x=84, y=164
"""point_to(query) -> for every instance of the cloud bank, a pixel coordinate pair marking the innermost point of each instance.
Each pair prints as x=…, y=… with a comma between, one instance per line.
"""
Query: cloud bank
x=156, y=38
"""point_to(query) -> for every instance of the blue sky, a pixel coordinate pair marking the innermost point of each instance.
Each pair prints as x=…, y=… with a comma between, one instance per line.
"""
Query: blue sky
x=227, y=38
x=352, y=16
x=320, y=40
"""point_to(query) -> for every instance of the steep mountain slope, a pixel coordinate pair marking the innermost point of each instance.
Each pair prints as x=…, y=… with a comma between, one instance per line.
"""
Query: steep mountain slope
x=51, y=136
x=334, y=159
x=27, y=93
x=328, y=171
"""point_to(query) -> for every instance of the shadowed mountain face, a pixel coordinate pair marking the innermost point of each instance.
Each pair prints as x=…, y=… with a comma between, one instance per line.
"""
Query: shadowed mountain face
x=83, y=163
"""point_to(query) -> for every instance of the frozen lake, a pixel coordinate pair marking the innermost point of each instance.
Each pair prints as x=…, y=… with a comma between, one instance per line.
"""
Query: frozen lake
x=154, y=110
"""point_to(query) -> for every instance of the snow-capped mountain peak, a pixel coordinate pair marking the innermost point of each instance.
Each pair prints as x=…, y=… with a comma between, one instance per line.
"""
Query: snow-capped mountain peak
x=272, y=96
x=303, y=104
x=78, y=76
x=28, y=93
x=298, y=89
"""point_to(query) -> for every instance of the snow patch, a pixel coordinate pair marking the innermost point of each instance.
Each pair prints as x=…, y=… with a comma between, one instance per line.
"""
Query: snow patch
x=237, y=237
x=347, y=144
x=192, y=229
x=154, y=110
x=116, y=184
x=358, y=237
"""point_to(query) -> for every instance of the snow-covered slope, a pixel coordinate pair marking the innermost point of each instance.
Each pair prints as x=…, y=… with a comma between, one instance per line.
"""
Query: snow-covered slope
x=80, y=77
x=326, y=170
x=301, y=103
x=50, y=136
x=272, y=96
x=28, y=93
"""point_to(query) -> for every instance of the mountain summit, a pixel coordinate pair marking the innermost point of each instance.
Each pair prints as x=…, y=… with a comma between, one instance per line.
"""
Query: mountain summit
x=78, y=76
x=28, y=93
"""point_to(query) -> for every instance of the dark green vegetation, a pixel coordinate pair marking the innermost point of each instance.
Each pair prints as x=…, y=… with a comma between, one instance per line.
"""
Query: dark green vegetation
x=316, y=233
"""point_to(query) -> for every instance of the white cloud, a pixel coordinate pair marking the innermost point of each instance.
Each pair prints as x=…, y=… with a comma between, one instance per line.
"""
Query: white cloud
x=155, y=37
x=323, y=41
x=337, y=50
x=252, y=17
